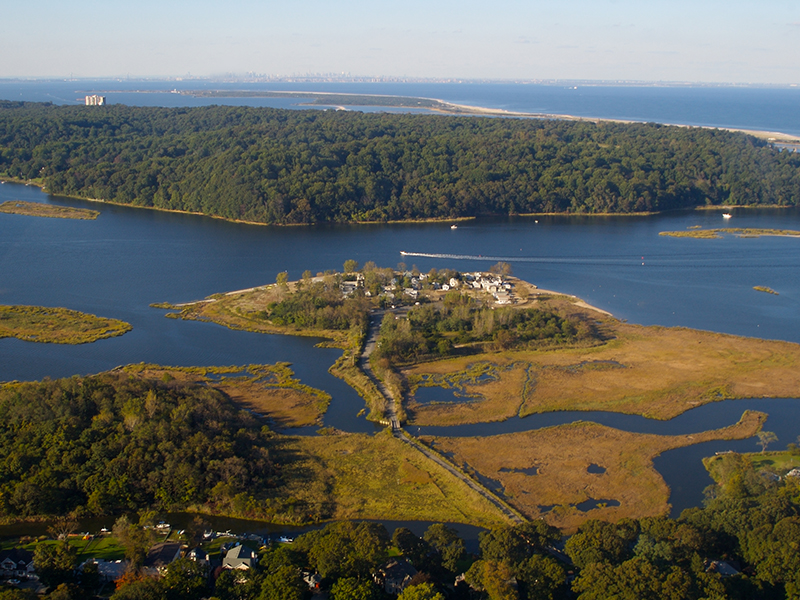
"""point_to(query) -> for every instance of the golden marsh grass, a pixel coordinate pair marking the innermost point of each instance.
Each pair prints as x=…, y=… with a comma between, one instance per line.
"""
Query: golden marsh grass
x=37, y=209
x=656, y=372
x=562, y=456
x=54, y=325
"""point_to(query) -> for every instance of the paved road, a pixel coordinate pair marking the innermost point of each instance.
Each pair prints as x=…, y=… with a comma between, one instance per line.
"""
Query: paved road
x=391, y=416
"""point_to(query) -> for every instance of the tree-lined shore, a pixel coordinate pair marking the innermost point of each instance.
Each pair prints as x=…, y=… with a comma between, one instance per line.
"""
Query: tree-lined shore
x=287, y=167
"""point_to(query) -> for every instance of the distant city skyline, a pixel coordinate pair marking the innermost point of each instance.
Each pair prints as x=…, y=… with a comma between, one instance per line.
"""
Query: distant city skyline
x=709, y=41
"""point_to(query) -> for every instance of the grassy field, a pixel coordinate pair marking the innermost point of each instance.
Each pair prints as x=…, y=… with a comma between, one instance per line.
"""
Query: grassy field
x=56, y=325
x=102, y=546
x=356, y=476
x=244, y=310
x=711, y=234
x=269, y=390
x=656, y=372
x=780, y=463
x=37, y=209
x=621, y=468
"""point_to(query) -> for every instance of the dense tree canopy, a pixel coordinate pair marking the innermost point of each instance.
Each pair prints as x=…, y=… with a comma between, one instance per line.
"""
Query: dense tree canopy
x=433, y=330
x=283, y=166
x=319, y=305
x=345, y=549
x=109, y=443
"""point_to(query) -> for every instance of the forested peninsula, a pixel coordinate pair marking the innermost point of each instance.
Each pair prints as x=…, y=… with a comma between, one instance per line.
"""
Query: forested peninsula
x=306, y=166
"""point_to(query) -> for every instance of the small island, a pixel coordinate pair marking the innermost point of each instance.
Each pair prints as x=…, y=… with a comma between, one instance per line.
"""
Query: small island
x=38, y=209
x=716, y=234
x=56, y=325
x=765, y=289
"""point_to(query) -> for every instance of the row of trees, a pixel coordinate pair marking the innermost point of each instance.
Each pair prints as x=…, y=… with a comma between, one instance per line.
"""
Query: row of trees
x=277, y=166
x=348, y=554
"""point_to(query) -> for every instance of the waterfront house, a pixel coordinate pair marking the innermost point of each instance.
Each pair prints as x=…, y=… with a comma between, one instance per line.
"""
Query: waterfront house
x=17, y=563
x=240, y=558
x=198, y=555
x=160, y=556
x=109, y=570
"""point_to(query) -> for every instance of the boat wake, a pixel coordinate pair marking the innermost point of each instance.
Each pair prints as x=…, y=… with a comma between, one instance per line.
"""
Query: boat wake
x=670, y=260
x=518, y=259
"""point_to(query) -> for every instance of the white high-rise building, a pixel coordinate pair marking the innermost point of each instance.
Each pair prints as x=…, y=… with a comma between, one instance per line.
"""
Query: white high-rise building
x=95, y=100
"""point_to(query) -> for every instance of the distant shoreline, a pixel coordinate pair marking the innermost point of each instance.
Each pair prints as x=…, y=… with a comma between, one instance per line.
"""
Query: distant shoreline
x=442, y=106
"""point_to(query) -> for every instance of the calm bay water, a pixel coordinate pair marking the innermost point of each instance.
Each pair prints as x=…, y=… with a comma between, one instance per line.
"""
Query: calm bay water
x=128, y=258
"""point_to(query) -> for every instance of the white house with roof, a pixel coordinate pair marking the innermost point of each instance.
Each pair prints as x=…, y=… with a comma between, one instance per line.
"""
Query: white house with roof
x=109, y=570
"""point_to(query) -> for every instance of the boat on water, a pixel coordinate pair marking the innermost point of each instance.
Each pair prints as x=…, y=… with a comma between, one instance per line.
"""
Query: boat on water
x=453, y=226
x=726, y=215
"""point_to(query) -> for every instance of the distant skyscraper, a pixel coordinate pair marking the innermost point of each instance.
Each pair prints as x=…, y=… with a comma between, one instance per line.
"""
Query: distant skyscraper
x=95, y=100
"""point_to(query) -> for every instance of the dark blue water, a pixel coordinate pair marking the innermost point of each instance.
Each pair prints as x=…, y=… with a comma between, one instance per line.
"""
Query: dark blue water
x=128, y=258
x=770, y=109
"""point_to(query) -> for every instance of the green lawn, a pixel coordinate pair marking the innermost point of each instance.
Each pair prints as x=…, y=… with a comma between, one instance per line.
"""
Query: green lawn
x=105, y=546
x=780, y=462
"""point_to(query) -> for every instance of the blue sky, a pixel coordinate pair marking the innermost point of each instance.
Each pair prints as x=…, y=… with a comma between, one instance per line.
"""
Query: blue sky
x=656, y=40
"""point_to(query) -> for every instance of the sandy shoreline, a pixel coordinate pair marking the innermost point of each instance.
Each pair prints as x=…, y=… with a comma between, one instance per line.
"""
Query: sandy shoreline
x=577, y=301
x=446, y=107
x=775, y=136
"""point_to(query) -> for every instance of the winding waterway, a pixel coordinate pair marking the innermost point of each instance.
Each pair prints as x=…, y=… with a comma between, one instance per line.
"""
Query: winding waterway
x=128, y=258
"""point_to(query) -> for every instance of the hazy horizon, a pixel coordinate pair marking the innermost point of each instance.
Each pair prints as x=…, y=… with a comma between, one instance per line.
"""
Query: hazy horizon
x=711, y=42
x=333, y=78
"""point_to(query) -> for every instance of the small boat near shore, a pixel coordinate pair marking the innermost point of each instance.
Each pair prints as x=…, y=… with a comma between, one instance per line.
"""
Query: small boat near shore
x=726, y=215
x=453, y=226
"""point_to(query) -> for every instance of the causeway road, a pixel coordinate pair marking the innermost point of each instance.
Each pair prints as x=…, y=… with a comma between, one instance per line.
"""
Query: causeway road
x=391, y=417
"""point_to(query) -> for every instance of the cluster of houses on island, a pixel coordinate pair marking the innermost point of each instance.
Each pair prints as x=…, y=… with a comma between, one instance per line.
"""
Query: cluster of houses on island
x=500, y=289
